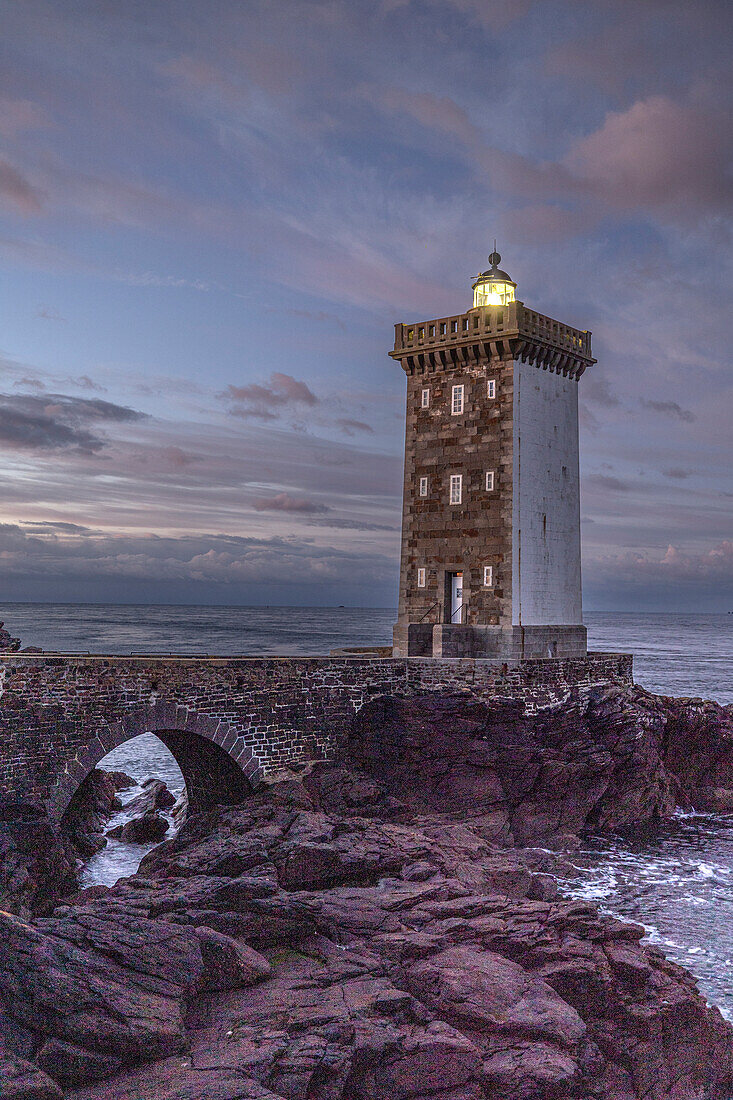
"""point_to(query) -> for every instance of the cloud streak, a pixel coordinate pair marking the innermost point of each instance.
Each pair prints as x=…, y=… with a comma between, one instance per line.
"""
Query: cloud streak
x=57, y=422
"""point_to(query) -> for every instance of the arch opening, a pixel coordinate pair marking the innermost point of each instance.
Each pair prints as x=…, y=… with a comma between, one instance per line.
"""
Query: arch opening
x=137, y=785
x=197, y=771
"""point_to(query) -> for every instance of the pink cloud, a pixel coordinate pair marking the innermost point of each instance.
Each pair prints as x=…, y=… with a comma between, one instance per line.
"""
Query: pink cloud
x=348, y=427
x=285, y=503
x=17, y=191
x=19, y=115
x=258, y=401
x=658, y=155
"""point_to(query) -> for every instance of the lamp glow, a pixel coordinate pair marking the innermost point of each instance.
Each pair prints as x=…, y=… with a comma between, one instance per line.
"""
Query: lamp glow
x=493, y=287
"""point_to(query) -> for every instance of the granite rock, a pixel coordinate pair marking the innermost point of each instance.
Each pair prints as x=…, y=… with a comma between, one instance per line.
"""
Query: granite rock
x=355, y=935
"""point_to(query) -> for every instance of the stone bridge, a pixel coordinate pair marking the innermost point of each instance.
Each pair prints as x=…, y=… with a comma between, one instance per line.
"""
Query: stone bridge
x=228, y=721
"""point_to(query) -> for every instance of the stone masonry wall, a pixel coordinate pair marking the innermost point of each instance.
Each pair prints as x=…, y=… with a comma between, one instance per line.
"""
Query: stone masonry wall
x=60, y=715
x=442, y=537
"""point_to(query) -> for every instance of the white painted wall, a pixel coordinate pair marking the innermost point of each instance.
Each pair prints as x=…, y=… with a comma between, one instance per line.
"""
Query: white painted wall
x=546, y=500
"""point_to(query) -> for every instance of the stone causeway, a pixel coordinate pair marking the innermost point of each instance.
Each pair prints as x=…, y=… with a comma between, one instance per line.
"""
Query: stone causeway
x=231, y=721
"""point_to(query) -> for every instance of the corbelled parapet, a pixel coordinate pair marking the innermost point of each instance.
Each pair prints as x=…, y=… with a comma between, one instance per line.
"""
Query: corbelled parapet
x=510, y=332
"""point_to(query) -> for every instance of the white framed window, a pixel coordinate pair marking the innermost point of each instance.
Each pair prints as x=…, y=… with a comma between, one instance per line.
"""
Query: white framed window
x=456, y=488
x=423, y=490
x=421, y=574
x=489, y=481
x=491, y=389
x=425, y=399
x=488, y=576
x=457, y=401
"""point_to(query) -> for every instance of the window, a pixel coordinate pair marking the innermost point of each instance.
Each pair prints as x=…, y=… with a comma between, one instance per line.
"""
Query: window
x=425, y=399
x=456, y=488
x=432, y=330
x=423, y=486
x=488, y=576
x=491, y=389
x=421, y=578
x=465, y=324
x=442, y=328
x=421, y=332
x=454, y=326
x=410, y=333
x=457, y=401
x=489, y=481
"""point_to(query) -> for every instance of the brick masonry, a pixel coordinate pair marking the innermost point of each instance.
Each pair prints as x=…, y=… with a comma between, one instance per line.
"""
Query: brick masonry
x=230, y=721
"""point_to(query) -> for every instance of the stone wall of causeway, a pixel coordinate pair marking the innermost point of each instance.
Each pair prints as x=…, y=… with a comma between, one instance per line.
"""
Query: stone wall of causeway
x=60, y=715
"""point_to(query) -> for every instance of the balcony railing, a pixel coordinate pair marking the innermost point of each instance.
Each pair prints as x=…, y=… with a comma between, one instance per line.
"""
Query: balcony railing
x=513, y=319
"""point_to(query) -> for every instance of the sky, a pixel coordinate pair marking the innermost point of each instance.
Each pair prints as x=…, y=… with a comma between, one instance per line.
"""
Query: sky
x=212, y=213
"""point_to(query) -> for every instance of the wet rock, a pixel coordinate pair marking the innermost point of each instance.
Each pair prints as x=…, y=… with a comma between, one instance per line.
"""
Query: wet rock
x=479, y=990
x=699, y=751
x=177, y=1079
x=179, y=809
x=154, y=795
x=36, y=867
x=598, y=761
x=20, y=1080
x=90, y=810
x=149, y=828
x=8, y=644
x=98, y=991
x=353, y=936
x=408, y=958
x=227, y=963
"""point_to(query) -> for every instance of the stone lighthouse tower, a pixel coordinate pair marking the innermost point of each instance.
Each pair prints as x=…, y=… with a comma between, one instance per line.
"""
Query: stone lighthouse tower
x=491, y=514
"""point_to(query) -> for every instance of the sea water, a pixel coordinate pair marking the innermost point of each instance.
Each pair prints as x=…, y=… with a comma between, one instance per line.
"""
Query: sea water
x=678, y=883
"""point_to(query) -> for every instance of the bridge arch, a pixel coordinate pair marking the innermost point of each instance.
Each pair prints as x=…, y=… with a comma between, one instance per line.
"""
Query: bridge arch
x=217, y=765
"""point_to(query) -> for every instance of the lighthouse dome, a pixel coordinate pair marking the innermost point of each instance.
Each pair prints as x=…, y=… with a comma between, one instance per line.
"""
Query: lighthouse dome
x=493, y=287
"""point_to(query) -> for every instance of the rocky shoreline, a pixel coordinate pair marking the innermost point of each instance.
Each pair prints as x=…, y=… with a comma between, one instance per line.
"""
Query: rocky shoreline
x=386, y=930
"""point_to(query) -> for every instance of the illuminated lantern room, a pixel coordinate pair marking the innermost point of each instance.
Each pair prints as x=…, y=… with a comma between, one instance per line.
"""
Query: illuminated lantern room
x=493, y=287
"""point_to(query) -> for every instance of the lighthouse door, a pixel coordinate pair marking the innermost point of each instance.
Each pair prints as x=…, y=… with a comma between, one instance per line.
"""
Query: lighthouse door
x=456, y=597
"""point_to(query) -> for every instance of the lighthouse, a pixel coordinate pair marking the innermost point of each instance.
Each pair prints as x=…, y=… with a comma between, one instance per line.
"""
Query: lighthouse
x=490, y=559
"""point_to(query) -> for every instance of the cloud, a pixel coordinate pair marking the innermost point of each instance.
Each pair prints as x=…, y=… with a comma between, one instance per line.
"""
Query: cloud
x=57, y=526
x=716, y=562
x=597, y=389
x=84, y=382
x=49, y=314
x=669, y=408
x=20, y=431
x=82, y=408
x=212, y=559
x=285, y=503
x=17, y=191
x=697, y=581
x=258, y=401
x=677, y=473
x=149, y=278
x=490, y=15
x=31, y=383
x=20, y=115
x=604, y=481
x=56, y=422
x=351, y=427
x=675, y=564
x=659, y=155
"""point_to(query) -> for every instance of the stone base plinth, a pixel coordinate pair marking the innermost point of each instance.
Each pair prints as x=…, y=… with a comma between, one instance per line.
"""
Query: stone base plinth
x=511, y=643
